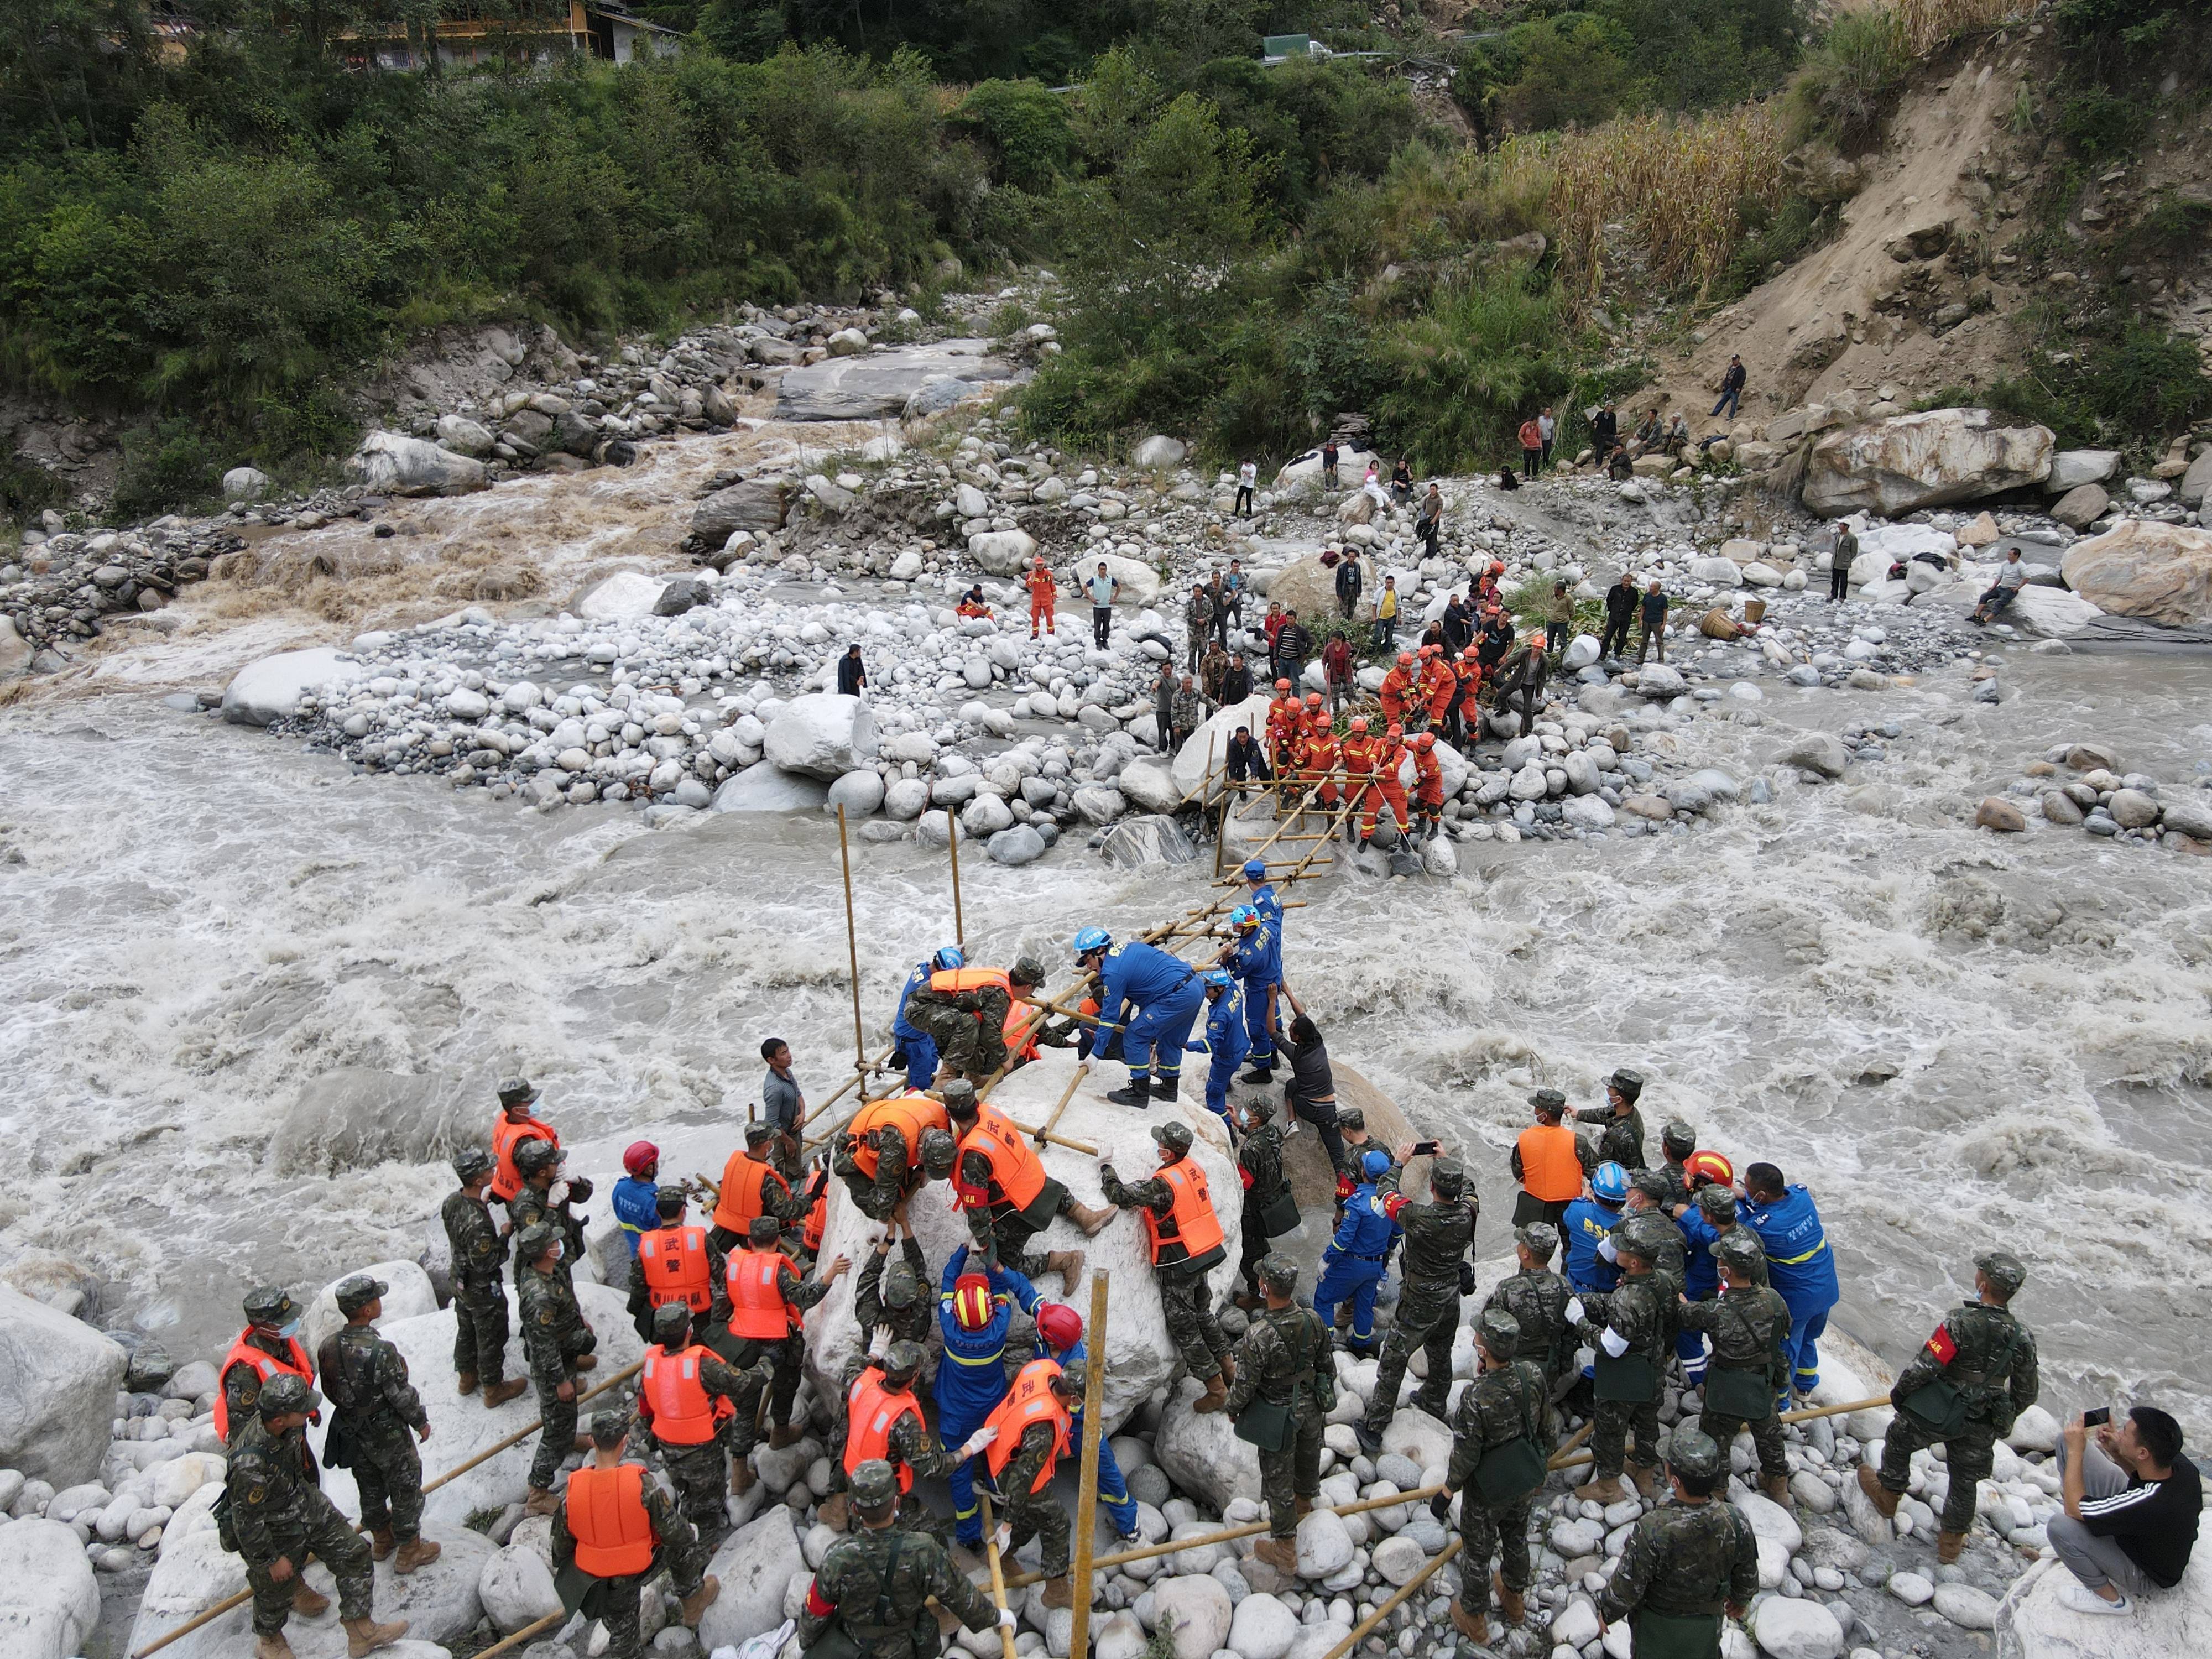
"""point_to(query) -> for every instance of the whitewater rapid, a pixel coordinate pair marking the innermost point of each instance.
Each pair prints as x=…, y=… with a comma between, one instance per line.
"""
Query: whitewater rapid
x=1955, y=1040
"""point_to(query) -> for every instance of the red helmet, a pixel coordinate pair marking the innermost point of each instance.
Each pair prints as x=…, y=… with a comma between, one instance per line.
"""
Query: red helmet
x=1498, y=567
x=1425, y=741
x=972, y=1302
x=1405, y=659
x=1059, y=1325
x=1359, y=722
x=1282, y=685
x=1712, y=1166
x=1393, y=730
x=642, y=1156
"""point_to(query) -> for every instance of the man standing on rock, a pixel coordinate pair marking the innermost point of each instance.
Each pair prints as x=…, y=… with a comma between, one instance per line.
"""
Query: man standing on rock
x=884, y=1420
x=1537, y=1298
x=1032, y=1432
x=479, y=1257
x=1227, y=1042
x=1044, y=595
x=1963, y=1391
x=783, y=1104
x=913, y=1047
x=875, y=1586
x=1839, y=563
x=1651, y=624
x=976, y=1306
x=1438, y=1235
x=1633, y=1328
x=1357, y=1259
x=1547, y=1161
x=1800, y=1263
x=269, y=1347
x=1253, y=956
x=767, y=1304
x=1687, y=1562
x=539, y=1163
x=376, y=1419
x=1060, y=1337
x=1286, y=1381
x=1103, y=590
x=1198, y=622
x=675, y=1263
x=1000, y=1182
x=277, y=1514
x=852, y=673
x=1268, y=1207
x=1749, y=1325
x=515, y=1125
x=1732, y=381
x=1523, y=676
x=1155, y=997
x=1349, y=580
x=687, y=1398
x=555, y=1338
x=1500, y=1441
x=1620, y=612
x=1622, y=1140
x=971, y=1013
x=1185, y=1238
x=751, y=1187
x=618, y=1526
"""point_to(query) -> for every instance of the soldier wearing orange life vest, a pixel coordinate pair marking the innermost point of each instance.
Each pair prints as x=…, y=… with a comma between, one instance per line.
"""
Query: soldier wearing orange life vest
x=515, y=1125
x=617, y=1526
x=884, y=1420
x=977, y=1016
x=1001, y=1183
x=1185, y=1235
x=1031, y=1428
x=1397, y=688
x=1428, y=784
x=675, y=1263
x=751, y=1187
x=1358, y=751
x=892, y=1148
x=687, y=1398
x=768, y=1301
x=268, y=1347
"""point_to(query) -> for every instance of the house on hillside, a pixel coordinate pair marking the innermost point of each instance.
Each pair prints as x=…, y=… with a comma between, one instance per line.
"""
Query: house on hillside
x=537, y=29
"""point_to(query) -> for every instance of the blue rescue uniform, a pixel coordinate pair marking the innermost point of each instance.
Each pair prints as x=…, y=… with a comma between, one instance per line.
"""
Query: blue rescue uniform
x=1256, y=959
x=971, y=1378
x=636, y=1208
x=1583, y=1227
x=917, y=1045
x=1226, y=1045
x=1701, y=1282
x=1355, y=1262
x=1167, y=994
x=1801, y=1266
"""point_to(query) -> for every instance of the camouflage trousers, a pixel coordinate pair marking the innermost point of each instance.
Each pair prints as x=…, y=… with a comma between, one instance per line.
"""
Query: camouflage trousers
x=701, y=1477
x=1765, y=1435
x=1615, y=1419
x=973, y=1044
x=1488, y=1533
x=558, y=1439
x=1010, y=1230
x=1292, y=1474
x=745, y=1353
x=1971, y=1455
x=1428, y=1319
x=614, y=1602
x=1039, y=1515
x=480, y=1330
x=320, y=1528
x=1188, y=1303
x=388, y=1471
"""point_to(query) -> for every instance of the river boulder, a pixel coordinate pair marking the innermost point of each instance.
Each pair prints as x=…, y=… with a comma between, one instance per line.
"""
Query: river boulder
x=756, y=1564
x=2033, y=1623
x=1209, y=744
x=58, y=1383
x=1934, y=459
x=49, y=1600
x=393, y=464
x=754, y=504
x=1002, y=552
x=264, y=692
x=2161, y=573
x=822, y=735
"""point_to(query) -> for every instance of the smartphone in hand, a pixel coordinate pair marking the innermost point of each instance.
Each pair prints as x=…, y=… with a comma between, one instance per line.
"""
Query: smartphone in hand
x=2096, y=1417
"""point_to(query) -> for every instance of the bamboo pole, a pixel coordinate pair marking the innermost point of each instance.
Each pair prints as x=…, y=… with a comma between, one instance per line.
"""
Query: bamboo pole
x=1066, y=1094
x=1806, y=1415
x=852, y=947
x=1384, y=1609
x=1559, y=1458
x=523, y=1635
x=998, y=1576
x=881, y=1062
x=953, y=840
x=1086, y=1501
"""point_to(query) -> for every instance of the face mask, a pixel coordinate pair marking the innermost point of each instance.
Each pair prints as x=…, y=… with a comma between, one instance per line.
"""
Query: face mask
x=290, y=1328
x=557, y=1253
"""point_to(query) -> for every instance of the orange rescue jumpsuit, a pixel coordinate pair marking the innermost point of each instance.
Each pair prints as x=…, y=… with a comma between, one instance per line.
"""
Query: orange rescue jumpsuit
x=1387, y=757
x=1396, y=691
x=1044, y=592
x=1317, y=761
x=1428, y=786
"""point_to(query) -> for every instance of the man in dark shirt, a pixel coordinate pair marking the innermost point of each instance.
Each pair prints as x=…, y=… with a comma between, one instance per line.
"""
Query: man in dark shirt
x=1619, y=613
x=1236, y=683
x=1294, y=644
x=852, y=673
x=1349, y=578
x=1654, y=618
x=2132, y=1503
x=1605, y=432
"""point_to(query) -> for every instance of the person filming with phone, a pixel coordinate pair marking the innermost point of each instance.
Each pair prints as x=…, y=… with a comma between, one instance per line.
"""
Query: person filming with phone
x=2132, y=1502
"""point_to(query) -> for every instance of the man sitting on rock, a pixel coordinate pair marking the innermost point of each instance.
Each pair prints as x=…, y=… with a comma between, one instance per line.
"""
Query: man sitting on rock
x=973, y=605
x=2132, y=1506
x=2012, y=576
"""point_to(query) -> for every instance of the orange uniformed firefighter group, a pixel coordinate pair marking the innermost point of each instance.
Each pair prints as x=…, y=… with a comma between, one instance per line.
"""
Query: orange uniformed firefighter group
x=1362, y=772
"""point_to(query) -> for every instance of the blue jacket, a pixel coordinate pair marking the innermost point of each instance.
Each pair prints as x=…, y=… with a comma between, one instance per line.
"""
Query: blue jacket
x=1700, y=1277
x=1269, y=904
x=635, y=1208
x=972, y=1378
x=1141, y=973
x=1799, y=1261
x=1257, y=958
x=914, y=982
x=1226, y=1040
x=1367, y=1227
x=1584, y=1227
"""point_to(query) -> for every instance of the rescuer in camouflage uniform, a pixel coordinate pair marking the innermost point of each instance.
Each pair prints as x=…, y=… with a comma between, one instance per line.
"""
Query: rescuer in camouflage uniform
x=1622, y=1140
x=871, y=1598
x=1537, y=1298
x=1687, y=1562
x=615, y=1601
x=1635, y=1320
x=968, y=1027
x=555, y=1338
x=669, y=1205
x=1748, y=1322
x=1185, y=1298
x=784, y=1355
x=1284, y=1360
x=376, y=1419
x=700, y=1473
x=1038, y=1514
x=888, y=1305
x=880, y=1196
x=1505, y=1420
x=1437, y=1235
x=479, y=1290
x=273, y=1318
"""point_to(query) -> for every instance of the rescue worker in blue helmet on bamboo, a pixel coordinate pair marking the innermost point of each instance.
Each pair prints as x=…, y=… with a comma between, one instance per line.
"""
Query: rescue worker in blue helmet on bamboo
x=1255, y=955
x=1357, y=1258
x=1800, y=1264
x=975, y=1305
x=1259, y=893
x=1585, y=1226
x=911, y=1044
x=1155, y=997
x=1060, y=1337
x=1226, y=1043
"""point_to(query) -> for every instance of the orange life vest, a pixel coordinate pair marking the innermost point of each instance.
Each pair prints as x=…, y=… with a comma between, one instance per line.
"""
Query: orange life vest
x=755, y=1279
x=674, y=1261
x=243, y=1352
x=1029, y=1401
x=739, y=1201
x=818, y=1213
x=910, y=1115
x=870, y=1411
x=675, y=1402
x=1014, y=1166
x=1550, y=1171
x=1191, y=1224
x=505, y=1136
x=607, y=1518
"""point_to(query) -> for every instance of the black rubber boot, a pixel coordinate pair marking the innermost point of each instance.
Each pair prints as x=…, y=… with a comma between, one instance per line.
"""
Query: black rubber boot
x=1139, y=1093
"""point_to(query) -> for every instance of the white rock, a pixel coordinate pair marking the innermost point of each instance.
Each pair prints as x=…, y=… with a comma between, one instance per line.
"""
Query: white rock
x=49, y=1599
x=622, y=596
x=1157, y=454
x=1658, y=680
x=392, y=464
x=2034, y=1430
x=1718, y=572
x=763, y=788
x=1262, y=1628
x=2072, y=468
x=266, y=691
x=1967, y=1606
x=1935, y=458
x=178, y=1478
x=1212, y=738
x=1787, y=1629
x=1149, y=781
x=245, y=484
x=1770, y=1520
x=1003, y=552
x=1576, y=1537
x=2034, y=1624
x=1122, y=1635
x=755, y=1564
x=1577, y=1624
x=463, y=435
x=1911, y=1588
x=1581, y=652
x=410, y=1294
x=822, y=735
x=60, y=1377
x=906, y=799
x=1193, y=1613
x=860, y=792
x=985, y=816
x=1324, y=1546
x=1398, y=1558
x=516, y=1587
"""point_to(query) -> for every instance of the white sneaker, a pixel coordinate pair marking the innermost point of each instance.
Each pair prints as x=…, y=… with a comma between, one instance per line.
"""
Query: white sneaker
x=2082, y=1599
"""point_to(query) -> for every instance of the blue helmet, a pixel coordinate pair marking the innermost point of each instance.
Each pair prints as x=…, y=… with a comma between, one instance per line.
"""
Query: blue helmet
x=1244, y=917
x=1610, y=1184
x=1092, y=938
x=1375, y=1163
x=1219, y=977
x=1256, y=869
x=951, y=956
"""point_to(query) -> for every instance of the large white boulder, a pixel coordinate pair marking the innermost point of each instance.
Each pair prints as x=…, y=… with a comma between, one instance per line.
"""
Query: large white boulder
x=2141, y=567
x=2072, y=468
x=1157, y=452
x=625, y=595
x=1193, y=1613
x=2033, y=1623
x=393, y=464
x=2050, y=613
x=1786, y=1629
x=1002, y=552
x=264, y=692
x=1935, y=458
x=49, y=1600
x=756, y=1564
x=1211, y=740
x=762, y=788
x=821, y=735
x=516, y=1587
x=410, y=1294
x=1201, y=1453
x=1262, y=1628
x=58, y=1383
x=245, y=484
x=1325, y=1545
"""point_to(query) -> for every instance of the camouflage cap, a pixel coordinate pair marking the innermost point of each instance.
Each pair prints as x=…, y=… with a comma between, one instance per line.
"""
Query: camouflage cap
x=1173, y=1136
x=1678, y=1138
x=902, y=1289
x=1351, y=1118
x=763, y=1229
x=1500, y=1331
x=959, y=1097
x=1652, y=1183
x=1278, y=1273
x=1696, y=1455
x=1074, y=1376
x=1628, y=1239
x=2004, y=1270
x=286, y=1393
x=757, y=1130
x=267, y=1305
x=1448, y=1175
x=904, y=1360
x=1739, y=1247
x=1540, y=1238
x=471, y=1161
x=610, y=1429
x=938, y=1152
x=534, y=1155
x=1629, y=1083
x=672, y=1323
x=1717, y=1203
x=874, y=1487
x=1548, y=1101
x=354, y=1294
x=535, y=1240
x=1026, y=970
x=517, y=1091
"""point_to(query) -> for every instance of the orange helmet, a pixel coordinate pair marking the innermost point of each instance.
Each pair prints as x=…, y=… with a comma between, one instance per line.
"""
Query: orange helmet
x=1313, y=699
x=1498, y=567
x=1393, y=730
x=972, y=1308
x=1425, y=741
x=1710, y=1166
x=1282, y=685
x=1359, y=722
x=1405, y=659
